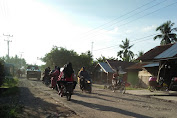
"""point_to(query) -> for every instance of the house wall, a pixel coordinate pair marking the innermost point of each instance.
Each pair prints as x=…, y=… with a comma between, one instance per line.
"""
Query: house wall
x=144, y=78
x=101, y=78
x=132, y=77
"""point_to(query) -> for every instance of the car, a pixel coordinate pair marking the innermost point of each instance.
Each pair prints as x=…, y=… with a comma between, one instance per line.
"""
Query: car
x=33, y=72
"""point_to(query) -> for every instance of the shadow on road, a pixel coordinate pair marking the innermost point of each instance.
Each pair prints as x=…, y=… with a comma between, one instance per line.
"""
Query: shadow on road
x=91, y=96
x=108, y=108
x=116, y=97
x=35, y=106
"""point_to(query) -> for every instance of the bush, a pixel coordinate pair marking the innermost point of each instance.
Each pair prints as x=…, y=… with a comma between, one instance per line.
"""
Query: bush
x=11, y=84
x=2, y=72
x=10, y=111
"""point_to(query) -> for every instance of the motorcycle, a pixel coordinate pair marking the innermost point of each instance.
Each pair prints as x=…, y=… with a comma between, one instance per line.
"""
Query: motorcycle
x=65, y=89
x=120, y=85
x=157, y=86
x=46, y=80
x=173, y=84
x=85, y=85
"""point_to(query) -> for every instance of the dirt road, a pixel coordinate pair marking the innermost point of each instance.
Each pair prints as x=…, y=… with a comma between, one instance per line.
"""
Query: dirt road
x=44, y=102
x=38, y=101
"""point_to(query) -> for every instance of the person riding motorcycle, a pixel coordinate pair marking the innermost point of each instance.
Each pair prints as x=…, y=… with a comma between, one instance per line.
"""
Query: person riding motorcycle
x=54, y=76
x=67, y=75
x=46, y=74
x=83, y=74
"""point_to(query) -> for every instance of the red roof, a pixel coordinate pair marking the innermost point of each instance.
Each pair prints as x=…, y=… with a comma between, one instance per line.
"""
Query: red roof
x=154, y=52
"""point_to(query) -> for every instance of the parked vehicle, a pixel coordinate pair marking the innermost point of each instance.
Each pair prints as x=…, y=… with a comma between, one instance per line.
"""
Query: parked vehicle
x=33, y=72
x=66, y=89
x=160, y=85
x=86, y=85
x=173, y=84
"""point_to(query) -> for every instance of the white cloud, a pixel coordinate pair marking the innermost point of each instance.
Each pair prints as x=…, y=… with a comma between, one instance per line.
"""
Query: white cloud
x=149, y=28
x=128, y=31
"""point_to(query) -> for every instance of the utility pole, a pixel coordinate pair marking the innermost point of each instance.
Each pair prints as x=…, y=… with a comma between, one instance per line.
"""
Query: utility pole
x=8, y=36
x=21, y=59
x=92, y=48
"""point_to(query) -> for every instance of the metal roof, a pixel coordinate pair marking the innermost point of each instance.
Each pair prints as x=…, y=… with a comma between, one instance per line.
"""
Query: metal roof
x=151, y=54
x=105, y=67
x=152, y=65
x=170, y=52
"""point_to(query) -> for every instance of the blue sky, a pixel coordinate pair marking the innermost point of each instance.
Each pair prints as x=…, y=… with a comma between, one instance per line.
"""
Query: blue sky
x=38, y=25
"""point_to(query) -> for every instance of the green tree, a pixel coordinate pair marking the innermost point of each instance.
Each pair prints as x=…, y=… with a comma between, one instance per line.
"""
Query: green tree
x=125, y=54
x=140, y=53
x=85, y=59
x=59, y=56
x=103, y=58
x=167, y=33
x=2, y=71
x=16, y=61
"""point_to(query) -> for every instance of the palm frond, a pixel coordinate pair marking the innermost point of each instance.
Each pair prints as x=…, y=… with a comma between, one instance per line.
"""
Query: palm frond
x=158, y=36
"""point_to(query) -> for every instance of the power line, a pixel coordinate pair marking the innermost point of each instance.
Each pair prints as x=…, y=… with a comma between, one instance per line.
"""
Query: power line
x=119, y=17
x=137, y=18
x=130, y=41
x=139, y=12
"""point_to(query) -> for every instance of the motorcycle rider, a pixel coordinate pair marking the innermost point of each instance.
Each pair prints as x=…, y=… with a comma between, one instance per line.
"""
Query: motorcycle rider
x=46, y=73
x=67, y=75
x=115, y=80
x=83, y=75
x=54, y=76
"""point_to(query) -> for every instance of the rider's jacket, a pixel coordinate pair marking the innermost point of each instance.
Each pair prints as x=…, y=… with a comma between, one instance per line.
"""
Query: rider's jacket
x=55, y=74
x=84, y=74
x=65, y=78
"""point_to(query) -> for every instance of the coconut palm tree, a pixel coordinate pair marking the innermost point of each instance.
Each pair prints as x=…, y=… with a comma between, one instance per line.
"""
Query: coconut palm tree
x=140, y=53
x=167, y=33
x=125, y=54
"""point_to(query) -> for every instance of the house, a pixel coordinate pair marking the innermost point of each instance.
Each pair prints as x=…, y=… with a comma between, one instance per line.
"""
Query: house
x=104, y=71
x=150, y=62
x=168, y=64
x=133, y=75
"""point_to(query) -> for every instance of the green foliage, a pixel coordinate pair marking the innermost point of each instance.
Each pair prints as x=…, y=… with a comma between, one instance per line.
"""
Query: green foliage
x=60, y=56
x=126, y=54
x=167, y=34
x=2, y=72
x=16, y=61
x=10, y=111
x=11, y=84
x=101, y=59
x=140, y=53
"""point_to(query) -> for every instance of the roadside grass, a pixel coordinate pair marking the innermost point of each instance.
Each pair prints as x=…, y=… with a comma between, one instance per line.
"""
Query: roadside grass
x=10, y=111
x=11, y=84
x=10, y=90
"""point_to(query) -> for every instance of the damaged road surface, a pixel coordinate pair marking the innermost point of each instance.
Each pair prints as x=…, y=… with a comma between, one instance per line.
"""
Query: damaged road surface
x=38, y=102
x=41, y=101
